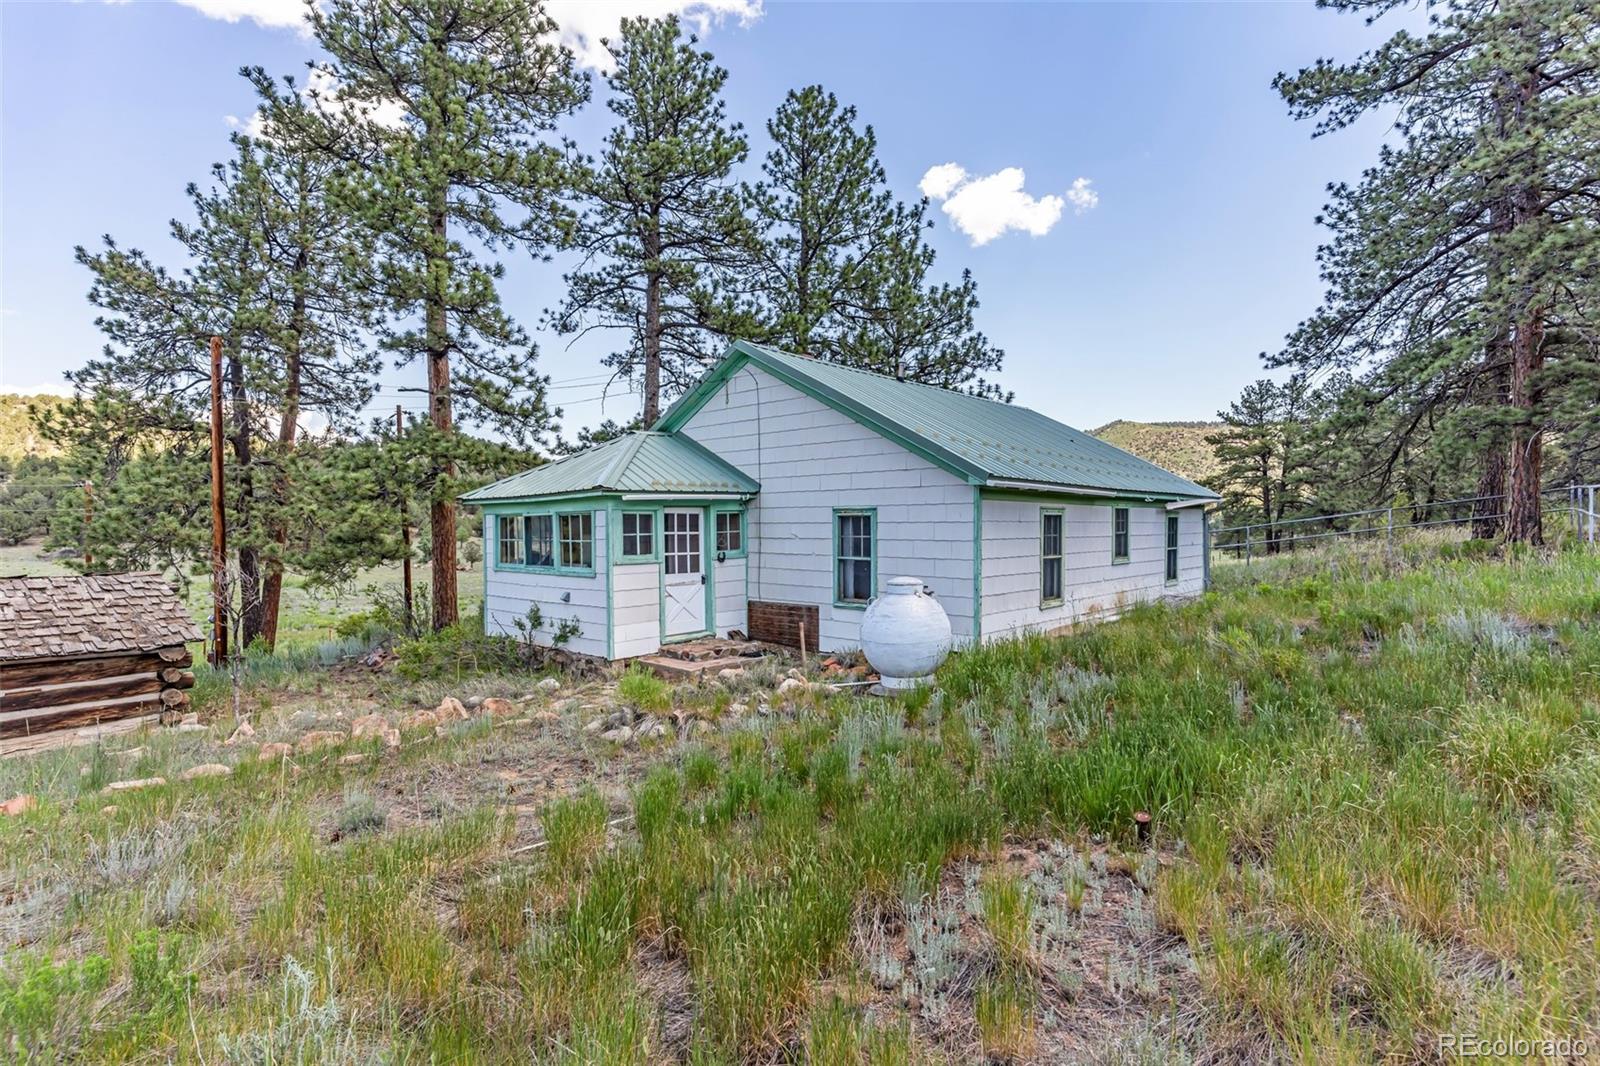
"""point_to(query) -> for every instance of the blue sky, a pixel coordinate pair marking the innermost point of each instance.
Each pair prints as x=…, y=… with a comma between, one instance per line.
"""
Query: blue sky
x=1153, y=303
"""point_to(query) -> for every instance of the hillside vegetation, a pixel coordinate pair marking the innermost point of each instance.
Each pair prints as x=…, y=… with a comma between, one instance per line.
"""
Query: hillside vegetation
x=18, y=437
x=1176, y=446
x=1375, y=793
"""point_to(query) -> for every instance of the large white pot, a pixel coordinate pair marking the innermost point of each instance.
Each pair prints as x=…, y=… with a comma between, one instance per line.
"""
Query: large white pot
x=905, y=633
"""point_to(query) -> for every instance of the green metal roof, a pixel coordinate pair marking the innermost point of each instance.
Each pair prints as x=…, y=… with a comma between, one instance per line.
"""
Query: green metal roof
x=640, y=462
x=985, y=441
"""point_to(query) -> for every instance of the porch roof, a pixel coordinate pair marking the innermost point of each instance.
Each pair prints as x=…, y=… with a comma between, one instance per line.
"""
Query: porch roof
x=640, y=462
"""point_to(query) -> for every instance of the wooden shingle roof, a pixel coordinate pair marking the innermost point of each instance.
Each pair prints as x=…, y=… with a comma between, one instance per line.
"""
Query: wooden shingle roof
x=90, y=614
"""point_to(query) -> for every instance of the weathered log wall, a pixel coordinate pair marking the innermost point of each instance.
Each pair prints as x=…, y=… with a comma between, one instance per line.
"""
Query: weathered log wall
x=40, y=695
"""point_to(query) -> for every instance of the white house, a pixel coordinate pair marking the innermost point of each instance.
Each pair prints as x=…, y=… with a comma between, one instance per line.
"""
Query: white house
x=781, y=493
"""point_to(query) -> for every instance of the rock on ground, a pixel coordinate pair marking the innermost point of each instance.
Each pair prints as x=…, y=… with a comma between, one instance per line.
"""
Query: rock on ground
x=368, y=725
x=135, y=784
x=17, y=805
x=278, y=750
x=319, y=738
x=450, y=708
x=549, y=685
x=620, y=735
x=243, y=733
x=206, y=769
x=498, y=708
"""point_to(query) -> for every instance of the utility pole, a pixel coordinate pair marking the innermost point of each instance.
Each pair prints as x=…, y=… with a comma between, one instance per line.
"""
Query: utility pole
x=88, y=517
x=405, y=524
x=219, y=536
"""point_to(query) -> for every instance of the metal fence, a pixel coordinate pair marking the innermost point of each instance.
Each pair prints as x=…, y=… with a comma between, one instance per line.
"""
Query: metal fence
x=1577, y=504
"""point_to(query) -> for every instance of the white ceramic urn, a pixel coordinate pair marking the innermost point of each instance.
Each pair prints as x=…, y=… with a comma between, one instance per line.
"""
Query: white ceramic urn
x=905, y=633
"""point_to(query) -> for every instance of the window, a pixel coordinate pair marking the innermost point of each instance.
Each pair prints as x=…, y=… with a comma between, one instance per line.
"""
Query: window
x=681, y=542
x=1119, y=534
x=730, y=531
x=541, y=540
x=853, y=556
x=639, y=534
x=577, y=540
x=510, y=537
x=1050, y=557
x=1172, y=547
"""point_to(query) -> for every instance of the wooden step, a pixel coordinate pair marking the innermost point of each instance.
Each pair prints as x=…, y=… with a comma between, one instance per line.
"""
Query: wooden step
x=673, y=668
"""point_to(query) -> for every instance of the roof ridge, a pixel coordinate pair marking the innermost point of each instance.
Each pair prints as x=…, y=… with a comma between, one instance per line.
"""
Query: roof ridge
x=904, y=381
x=632, y=442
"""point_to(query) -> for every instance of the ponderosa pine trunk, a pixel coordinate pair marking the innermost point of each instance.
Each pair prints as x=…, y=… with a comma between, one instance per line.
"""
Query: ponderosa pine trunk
x=442, y=513
x=1523, y=516
x=1523, y=524
x=249, y=557
x=652, y=320
x=288, y=428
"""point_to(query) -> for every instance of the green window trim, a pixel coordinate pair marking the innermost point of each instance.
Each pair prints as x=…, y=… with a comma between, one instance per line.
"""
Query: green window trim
x=719, y=515
x=1059, y=556
x=839, y=558
x=1121, y=534
x=527, y=523
x=1171, y=553
x=646, y=534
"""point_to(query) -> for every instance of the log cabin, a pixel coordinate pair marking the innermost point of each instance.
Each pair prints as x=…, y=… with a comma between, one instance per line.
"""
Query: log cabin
x=85, y=650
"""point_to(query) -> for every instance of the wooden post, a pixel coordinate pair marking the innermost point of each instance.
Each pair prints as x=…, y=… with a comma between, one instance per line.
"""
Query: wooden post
x=405, y=527
x=88, y=517
x=219, y=536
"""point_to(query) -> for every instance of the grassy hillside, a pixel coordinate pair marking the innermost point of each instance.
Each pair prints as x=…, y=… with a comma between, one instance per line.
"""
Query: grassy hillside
x=1178, y=446
x=17, y=435
x=1375, y=823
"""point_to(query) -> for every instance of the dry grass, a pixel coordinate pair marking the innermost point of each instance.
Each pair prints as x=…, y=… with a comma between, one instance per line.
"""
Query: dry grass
x=1375, y=795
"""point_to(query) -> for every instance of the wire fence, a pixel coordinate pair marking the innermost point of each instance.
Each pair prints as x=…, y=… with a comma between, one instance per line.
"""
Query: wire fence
x=1573, y=504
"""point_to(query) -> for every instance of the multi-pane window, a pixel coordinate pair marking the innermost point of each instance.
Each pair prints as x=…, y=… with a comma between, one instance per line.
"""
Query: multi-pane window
x=853, y=556
x=540, y=540
x=638, y=533
x=576, y=540
x=681, y=541
x=730, y=531
x=1050, y=556
x=1172, y=547
x=509, y=535
x=1119, y=533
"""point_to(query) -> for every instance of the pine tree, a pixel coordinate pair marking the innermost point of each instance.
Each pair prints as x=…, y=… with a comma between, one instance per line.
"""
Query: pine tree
x=1460, y=263
x=266, y=267
x=842, y=270
x=446, y=107
x=662, y=221
x=1262, y=455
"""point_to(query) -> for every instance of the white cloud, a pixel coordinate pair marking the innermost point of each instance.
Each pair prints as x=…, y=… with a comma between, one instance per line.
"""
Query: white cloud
x=584, y=22
x=274, y=14
x=988, y=207
x=941, y=181
x=1081, y=197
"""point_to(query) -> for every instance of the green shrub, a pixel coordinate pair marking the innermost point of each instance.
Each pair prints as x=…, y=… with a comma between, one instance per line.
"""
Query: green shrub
x=46, y=1008
x=458, y=651
x=643, y=690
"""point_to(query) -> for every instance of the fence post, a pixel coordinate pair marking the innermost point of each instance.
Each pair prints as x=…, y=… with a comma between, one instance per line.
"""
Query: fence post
x=1247, y=545
x=1389, y=529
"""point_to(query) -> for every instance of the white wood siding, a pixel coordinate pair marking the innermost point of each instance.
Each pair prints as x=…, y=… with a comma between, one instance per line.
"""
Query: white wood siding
x=509, y=594
x=1094, y=585
x=731, y=609
x=636, y=609
x=811, y=459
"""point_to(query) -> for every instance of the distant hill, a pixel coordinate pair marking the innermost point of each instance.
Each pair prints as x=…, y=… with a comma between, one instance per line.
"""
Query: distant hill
x=18, y=438
x=1177, y=446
